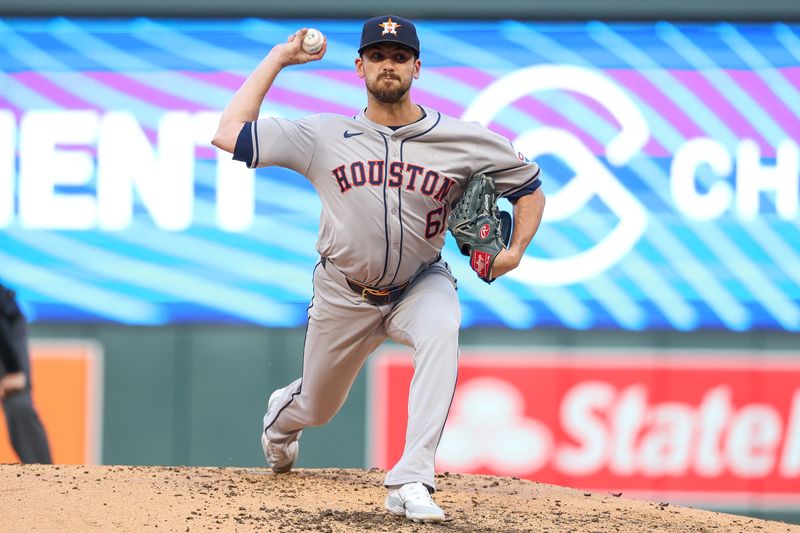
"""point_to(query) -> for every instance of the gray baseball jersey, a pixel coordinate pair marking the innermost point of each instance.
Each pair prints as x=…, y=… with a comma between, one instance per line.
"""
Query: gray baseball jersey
x=385, y=195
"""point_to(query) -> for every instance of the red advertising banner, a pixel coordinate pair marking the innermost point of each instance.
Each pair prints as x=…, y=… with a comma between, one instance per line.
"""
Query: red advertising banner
x=712, y=427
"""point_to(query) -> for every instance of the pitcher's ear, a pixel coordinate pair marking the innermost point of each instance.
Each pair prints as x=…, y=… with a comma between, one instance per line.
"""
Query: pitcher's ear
x=360, y=67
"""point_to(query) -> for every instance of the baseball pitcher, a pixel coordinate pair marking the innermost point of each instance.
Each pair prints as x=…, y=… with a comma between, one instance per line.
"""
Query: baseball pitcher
x=389, y=179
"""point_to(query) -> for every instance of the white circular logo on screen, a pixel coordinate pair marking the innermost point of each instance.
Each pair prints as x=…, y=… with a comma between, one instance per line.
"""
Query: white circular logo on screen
x=591, y=179
x=487, y=427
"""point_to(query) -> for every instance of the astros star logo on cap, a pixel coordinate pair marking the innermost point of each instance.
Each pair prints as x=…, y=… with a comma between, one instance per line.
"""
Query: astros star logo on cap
x=389, y=27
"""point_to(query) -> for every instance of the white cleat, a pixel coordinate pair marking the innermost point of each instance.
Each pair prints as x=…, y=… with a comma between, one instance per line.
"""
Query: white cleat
x=413, y=501
x=281, y=457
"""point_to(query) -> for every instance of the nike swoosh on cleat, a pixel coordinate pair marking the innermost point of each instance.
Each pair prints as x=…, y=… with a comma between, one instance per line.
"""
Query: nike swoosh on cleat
x=347, y=134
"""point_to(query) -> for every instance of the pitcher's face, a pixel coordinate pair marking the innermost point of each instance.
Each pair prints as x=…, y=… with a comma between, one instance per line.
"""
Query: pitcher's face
x=388, y=70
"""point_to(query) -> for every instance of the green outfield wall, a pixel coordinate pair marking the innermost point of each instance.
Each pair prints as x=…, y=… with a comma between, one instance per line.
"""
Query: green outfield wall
x=195, y=394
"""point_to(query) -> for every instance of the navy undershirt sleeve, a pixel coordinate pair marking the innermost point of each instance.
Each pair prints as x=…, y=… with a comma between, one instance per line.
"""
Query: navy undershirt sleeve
x=525, y=191
x=244, y=145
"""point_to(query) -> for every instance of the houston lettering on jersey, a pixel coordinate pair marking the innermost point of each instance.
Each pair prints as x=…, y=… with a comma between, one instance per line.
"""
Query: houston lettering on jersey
x=400, y=174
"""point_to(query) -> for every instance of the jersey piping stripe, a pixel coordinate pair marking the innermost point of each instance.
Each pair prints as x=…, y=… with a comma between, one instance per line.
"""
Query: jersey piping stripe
x=452, y=396
x=385, y=210
x=402, y=230
x=400, y=195
x=438, y=118
x=255, y=144
x=520, y=187
x=305, y=337
x=505, y=169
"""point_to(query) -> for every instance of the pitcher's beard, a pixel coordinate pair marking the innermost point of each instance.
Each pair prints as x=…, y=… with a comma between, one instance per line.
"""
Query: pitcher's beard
x=388, y=95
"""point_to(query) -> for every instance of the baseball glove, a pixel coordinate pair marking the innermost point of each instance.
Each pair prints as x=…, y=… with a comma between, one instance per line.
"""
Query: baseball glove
x=481, y=230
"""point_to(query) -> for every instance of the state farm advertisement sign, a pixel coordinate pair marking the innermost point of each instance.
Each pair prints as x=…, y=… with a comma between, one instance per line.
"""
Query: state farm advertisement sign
x=696, y=426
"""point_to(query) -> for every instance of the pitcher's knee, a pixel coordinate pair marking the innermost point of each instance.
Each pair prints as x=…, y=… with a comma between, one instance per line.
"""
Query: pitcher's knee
x=436, y=328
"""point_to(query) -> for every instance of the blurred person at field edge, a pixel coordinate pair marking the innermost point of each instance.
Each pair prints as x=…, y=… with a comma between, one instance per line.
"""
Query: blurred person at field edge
x=27, y=434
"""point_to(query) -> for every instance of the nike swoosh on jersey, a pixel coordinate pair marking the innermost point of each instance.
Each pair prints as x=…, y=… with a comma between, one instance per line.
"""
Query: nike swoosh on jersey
x=347, y=134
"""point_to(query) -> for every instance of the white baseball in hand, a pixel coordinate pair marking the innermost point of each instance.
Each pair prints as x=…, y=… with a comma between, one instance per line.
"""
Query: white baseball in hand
x=313, y=41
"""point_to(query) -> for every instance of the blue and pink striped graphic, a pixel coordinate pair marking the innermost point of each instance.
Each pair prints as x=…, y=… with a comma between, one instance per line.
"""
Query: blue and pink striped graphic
x=670, y=158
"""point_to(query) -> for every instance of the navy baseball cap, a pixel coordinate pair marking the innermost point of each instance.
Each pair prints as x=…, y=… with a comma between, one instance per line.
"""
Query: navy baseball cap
x=389, y=29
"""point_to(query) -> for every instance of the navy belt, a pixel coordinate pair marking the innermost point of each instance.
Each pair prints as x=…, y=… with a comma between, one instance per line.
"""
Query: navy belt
x=374, y=295
x=378, y=296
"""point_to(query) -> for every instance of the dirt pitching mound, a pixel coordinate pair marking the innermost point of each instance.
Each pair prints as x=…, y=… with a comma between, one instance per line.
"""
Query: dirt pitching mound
x=139, y=499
